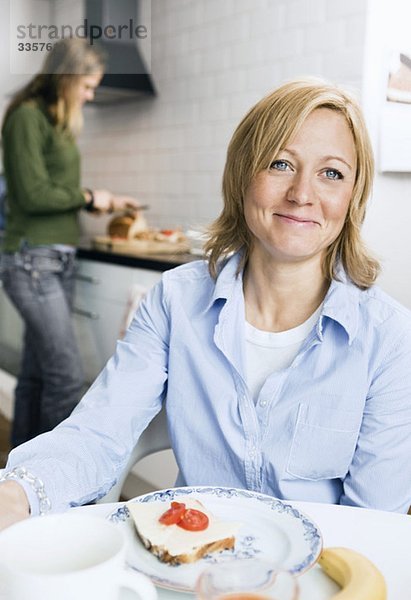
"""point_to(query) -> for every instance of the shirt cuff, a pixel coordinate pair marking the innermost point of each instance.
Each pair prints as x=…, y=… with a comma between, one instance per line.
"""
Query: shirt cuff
x=32, y=497
x=38, y=500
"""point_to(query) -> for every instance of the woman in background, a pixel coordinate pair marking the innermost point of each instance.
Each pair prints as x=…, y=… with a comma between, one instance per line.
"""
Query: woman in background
x=42, y=169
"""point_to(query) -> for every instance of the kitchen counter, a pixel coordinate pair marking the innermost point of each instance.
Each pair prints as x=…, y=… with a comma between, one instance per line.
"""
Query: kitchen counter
x=154, y=262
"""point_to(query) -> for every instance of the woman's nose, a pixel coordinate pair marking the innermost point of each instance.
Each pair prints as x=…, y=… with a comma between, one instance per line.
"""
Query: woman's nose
x=301, y=189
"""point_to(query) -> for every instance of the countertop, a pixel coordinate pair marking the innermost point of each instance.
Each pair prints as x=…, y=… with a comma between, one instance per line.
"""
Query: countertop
x=154, y=262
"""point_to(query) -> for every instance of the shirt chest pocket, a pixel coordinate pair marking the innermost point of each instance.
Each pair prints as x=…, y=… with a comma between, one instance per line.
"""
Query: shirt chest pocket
x=324, y=442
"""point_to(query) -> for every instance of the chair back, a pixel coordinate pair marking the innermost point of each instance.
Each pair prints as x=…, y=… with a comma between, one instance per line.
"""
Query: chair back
x=153, y=439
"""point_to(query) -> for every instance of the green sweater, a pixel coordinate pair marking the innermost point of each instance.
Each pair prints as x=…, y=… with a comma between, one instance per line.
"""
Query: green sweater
x=42, y=169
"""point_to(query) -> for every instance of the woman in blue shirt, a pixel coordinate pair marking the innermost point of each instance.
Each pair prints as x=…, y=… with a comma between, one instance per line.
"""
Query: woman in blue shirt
x=282, y=367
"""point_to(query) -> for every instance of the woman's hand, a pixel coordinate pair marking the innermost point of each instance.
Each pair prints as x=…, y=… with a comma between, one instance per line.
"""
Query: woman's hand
x=104, y=201
x=14, y=505
x=120, y=202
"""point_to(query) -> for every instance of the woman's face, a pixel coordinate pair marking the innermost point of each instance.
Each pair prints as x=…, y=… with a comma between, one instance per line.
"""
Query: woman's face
x=297, y=208
x=86, y=87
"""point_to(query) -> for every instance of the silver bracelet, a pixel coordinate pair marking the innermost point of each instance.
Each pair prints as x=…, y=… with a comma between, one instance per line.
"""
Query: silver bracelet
x=21, y=473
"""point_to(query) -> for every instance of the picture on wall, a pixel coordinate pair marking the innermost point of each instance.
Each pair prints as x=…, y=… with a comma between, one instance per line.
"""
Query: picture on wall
x=399, y=79
x=395, y=126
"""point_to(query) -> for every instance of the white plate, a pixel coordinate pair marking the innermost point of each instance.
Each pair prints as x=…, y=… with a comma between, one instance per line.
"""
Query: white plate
x=272, y=529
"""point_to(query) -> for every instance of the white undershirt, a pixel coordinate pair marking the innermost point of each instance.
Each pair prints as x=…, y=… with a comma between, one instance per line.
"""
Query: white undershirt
x=267, y=352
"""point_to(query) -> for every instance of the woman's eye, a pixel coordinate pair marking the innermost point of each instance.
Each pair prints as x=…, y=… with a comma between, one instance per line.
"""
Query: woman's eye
x=279, y=165
x=333, y=174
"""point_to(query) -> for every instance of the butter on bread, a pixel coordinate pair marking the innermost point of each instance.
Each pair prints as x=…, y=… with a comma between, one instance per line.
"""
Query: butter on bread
x=172, y=544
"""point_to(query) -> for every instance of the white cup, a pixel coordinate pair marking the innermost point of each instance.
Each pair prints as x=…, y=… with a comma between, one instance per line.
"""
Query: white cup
x=67, y=557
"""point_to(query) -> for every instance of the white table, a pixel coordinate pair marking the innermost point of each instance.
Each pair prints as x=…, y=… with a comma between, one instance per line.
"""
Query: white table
x=385, y=538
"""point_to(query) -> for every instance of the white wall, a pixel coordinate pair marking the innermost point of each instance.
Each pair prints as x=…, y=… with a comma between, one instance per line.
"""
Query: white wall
x=387, y=226
x=10, y=82
x=211, y=61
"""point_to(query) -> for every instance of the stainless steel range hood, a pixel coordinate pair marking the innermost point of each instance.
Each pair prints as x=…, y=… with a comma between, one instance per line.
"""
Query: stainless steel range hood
x=127, y=75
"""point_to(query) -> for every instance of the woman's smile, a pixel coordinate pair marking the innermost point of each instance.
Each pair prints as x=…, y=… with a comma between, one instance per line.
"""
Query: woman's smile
x=296, y=221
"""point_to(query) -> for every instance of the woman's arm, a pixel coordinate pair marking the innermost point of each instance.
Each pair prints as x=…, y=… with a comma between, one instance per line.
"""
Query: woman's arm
x=105, y=201
x=30, y=182
x=80, y=460
x=380, y=473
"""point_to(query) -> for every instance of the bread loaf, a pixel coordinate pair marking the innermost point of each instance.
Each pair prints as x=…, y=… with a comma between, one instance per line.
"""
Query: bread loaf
x=127, y=226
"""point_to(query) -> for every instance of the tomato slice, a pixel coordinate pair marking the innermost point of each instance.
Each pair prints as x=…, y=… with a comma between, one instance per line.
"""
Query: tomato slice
x=174, y=514
x=167, y=231
x=193, y=520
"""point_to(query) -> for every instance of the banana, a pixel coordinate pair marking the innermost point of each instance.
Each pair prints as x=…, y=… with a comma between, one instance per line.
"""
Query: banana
x=359, y=577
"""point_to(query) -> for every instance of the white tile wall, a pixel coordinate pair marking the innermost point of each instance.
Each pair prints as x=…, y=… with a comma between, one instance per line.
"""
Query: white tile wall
x=211, y=61
x=10, y=82
x=386, y=228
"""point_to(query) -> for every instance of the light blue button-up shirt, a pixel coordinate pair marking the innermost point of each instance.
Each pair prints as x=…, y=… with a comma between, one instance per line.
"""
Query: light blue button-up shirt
x=334, y=427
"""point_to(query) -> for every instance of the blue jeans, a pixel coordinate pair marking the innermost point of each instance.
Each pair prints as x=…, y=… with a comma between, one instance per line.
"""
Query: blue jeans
x=40, y=283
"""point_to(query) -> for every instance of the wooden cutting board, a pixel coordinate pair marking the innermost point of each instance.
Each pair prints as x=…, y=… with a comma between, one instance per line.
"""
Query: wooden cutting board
x=138, y=247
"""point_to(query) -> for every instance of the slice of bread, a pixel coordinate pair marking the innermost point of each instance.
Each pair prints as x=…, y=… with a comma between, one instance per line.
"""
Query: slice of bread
x=174, y=545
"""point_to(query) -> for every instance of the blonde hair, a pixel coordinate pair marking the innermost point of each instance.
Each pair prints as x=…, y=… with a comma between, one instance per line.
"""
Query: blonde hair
x=68, y=61
x=257, y=141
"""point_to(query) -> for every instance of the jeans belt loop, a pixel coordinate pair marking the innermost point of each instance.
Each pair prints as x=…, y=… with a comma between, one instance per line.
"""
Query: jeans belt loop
x=26, y=262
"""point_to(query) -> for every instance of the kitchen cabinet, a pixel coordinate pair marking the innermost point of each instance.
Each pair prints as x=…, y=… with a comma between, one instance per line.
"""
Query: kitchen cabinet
x=11, y=334
x=103, y=299
x=103, y=294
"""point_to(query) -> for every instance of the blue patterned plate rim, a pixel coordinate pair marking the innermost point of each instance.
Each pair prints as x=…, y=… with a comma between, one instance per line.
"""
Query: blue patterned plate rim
x=310, y=531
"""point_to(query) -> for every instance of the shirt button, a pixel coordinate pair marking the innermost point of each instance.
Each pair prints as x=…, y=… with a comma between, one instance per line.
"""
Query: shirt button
x=263, y=403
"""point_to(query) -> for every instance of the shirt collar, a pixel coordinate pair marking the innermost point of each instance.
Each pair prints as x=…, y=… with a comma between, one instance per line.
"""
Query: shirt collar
x=341, y=304
x=227, y=279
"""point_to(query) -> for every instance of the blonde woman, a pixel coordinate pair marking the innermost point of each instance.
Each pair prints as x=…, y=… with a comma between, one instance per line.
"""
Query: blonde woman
x=283, y=368
x=42, y=169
